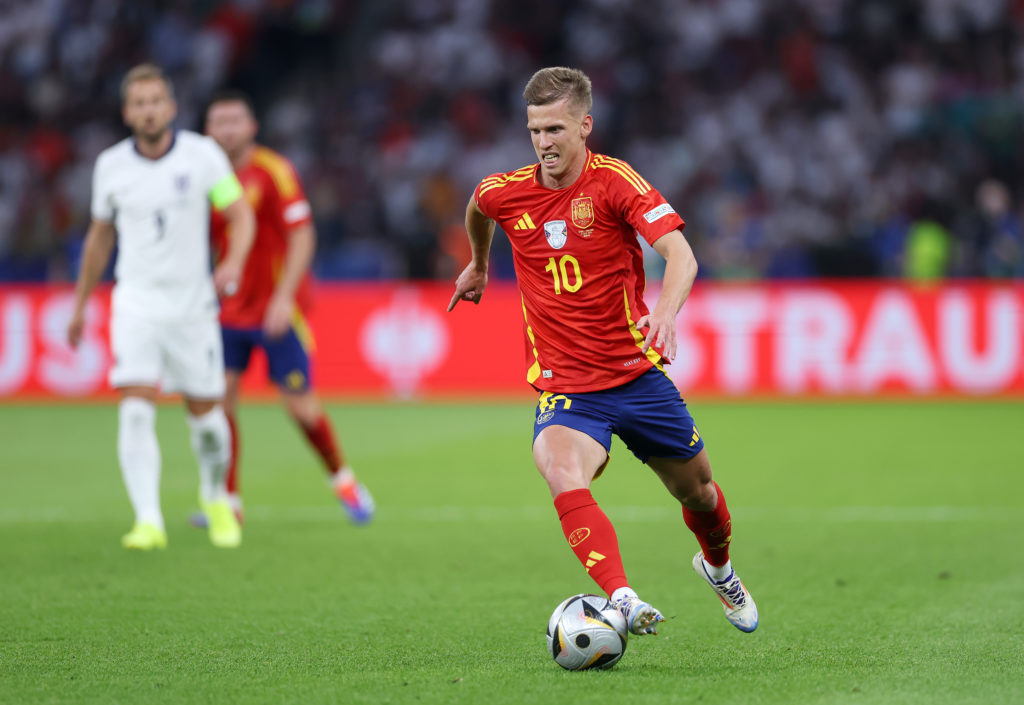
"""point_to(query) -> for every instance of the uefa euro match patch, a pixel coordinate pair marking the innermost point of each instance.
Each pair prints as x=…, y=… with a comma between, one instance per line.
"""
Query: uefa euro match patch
x=659, y=212
x=556, y=232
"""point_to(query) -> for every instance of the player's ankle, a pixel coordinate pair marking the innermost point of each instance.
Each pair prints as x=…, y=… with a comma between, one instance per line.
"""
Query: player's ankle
x=343, y=476
x=718, y=573
x=622, y=592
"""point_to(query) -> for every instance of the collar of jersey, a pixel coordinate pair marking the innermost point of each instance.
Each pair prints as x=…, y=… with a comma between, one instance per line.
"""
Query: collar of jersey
x=174, y=139
x=586, y=165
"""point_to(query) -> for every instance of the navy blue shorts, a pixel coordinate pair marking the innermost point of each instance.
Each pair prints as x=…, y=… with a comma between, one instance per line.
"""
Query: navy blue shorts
x=287, y=357
x=647, y=413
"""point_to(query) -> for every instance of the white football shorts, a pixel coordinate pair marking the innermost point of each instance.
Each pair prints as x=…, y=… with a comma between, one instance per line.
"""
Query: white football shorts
x=177, y=355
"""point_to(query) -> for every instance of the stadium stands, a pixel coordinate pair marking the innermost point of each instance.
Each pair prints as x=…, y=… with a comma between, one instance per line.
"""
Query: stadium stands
x=798, y=138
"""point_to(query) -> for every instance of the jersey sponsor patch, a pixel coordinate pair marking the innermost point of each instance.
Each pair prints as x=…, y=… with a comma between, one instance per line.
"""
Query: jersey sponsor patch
x=556, y=232
x=659, y=212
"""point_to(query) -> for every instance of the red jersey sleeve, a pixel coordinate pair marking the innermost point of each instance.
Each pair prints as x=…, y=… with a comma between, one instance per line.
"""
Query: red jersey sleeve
x=488, y=190
x=290, y=202
x=639, y=203
x=275, y=193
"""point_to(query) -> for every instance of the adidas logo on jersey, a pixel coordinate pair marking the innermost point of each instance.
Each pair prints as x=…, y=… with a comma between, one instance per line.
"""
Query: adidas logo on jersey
x=524, y=222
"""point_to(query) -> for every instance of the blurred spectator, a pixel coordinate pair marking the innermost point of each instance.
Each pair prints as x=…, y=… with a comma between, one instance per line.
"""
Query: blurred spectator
x=798, y=138
x=999, y=237
x=927, y=254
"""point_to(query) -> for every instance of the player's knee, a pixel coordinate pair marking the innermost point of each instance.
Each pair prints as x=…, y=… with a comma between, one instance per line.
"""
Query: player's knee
x=210, y=430
x=697, y=495
x=304, y=407
x=563, y=475
x=303, y=415
x=136, y=413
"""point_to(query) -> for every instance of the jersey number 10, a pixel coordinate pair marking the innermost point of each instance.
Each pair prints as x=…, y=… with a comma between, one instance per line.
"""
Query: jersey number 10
x=560, y=273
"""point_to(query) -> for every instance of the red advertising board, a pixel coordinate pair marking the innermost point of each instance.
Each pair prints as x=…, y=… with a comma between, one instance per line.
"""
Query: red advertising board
x=396, y=340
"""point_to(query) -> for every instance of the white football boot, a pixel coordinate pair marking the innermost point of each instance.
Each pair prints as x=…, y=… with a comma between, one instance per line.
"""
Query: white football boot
x=739, y=606
x=641, y=618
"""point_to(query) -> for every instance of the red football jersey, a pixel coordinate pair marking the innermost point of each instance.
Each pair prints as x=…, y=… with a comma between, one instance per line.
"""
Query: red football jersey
x=275, y=193
x=580, y=269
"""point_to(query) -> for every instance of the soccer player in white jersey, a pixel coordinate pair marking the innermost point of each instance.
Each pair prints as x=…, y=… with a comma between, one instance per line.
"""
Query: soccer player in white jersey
x=152, y=192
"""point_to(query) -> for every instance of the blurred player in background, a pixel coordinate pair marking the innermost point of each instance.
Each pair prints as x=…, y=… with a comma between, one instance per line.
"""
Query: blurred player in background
x=573, y=221
x=269, y=310
x=152, y=192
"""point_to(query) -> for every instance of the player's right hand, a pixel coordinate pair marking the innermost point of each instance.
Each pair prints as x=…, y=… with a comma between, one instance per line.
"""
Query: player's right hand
x=659, y=334
x=76, y=327
x=278, y=317
x=225, y=278
x=469, y=286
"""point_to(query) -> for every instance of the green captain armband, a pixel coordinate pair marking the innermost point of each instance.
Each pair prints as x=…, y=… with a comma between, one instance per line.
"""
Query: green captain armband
x=225, y=192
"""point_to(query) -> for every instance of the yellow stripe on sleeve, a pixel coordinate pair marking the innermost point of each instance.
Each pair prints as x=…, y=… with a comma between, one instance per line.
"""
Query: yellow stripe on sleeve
x=485, y=189
x=280, y=171
x=630, y=170
x=501, y=180
x=637, y=183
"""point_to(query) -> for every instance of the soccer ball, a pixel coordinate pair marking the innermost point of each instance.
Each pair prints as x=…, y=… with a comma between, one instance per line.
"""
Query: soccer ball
x=586, y=631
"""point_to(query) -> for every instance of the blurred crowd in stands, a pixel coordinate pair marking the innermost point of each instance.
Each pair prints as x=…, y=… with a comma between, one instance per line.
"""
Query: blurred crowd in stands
x=798, y=138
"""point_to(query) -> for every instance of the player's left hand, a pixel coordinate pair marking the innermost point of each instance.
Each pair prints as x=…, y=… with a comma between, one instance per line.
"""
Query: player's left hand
x=278, y=317
x=660, y=334
x=226, y=277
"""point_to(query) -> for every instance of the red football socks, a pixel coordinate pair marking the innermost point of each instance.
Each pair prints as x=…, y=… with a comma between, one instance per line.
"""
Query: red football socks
x=232, y=473
x=713, y=530
x=321, y=437
x=592, y=538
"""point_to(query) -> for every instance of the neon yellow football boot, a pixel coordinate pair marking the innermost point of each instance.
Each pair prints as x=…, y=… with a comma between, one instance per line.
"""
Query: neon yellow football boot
x=145, y=536
x=225, y=531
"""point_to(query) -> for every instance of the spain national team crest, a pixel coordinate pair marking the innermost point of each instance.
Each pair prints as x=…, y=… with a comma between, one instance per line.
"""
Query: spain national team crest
x=582, y=212
x=556, y=232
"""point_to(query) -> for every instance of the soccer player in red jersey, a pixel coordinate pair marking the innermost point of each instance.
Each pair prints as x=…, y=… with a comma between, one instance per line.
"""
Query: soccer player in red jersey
x=269, y=308
x=593, y=349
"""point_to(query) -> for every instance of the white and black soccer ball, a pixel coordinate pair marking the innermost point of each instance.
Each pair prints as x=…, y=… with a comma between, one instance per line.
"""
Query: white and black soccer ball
x=586, y=631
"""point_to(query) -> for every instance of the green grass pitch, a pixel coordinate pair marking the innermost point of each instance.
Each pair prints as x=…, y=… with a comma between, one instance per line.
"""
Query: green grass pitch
x=884, y=543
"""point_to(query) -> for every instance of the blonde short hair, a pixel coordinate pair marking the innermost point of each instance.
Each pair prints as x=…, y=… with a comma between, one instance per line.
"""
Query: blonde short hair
x=555, y=83
x=145, y=72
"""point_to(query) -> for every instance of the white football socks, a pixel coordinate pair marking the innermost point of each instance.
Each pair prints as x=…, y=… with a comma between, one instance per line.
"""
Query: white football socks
x=718, y=573
x=211, y=443
x=139, y=455
x=621, y=592
x=344, y=476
